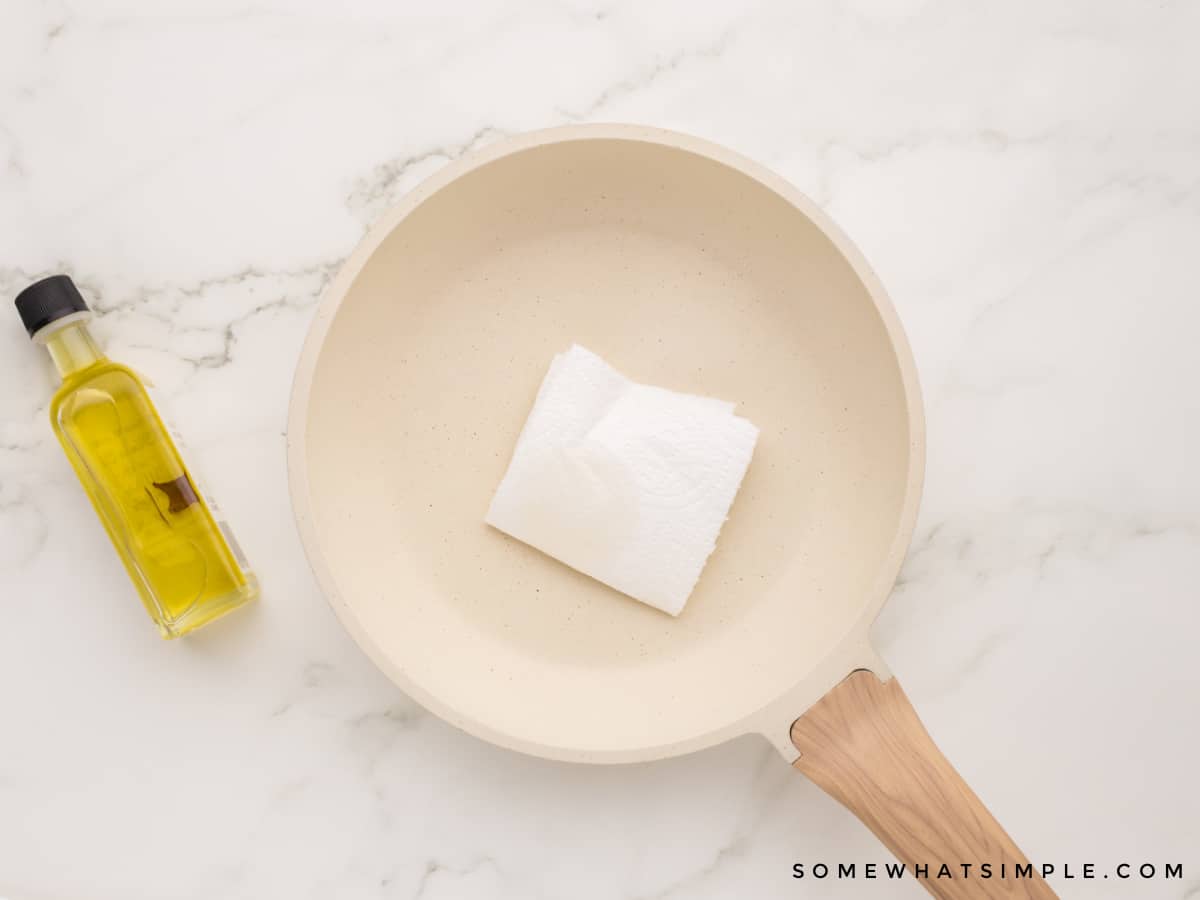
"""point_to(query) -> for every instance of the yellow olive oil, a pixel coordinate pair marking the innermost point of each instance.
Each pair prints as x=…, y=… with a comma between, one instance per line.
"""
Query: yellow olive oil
x=182, y=558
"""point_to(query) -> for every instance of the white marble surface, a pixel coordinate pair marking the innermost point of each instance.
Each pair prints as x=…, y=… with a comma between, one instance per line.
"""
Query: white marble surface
x=1023, y=176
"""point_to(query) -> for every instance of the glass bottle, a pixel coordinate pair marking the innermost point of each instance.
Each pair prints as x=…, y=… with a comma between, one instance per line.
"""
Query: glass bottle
x=182, y=557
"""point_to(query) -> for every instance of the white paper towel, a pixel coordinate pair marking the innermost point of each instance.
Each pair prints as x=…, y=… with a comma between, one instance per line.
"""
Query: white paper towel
x=625, y=482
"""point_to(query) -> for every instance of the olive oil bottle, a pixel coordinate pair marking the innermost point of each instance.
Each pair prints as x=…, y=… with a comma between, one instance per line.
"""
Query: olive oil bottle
x=183, y=559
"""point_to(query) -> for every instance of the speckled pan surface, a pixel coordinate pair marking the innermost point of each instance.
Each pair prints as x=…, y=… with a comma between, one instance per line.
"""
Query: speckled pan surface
x=686, y=266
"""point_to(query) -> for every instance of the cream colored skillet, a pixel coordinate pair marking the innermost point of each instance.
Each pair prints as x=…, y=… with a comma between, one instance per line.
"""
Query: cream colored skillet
x=686, y=266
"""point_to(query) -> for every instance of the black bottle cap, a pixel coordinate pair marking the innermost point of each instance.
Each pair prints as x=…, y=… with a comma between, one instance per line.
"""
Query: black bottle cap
x=48, y=300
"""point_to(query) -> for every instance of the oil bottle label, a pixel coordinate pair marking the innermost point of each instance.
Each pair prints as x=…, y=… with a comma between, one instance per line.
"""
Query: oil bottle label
x=190, y=483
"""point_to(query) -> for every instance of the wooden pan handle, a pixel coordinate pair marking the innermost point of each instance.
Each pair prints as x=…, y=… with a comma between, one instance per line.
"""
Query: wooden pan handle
x=864, y=745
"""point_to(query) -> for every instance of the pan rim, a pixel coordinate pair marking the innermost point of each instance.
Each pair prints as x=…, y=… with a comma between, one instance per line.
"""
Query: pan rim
x=850, y=652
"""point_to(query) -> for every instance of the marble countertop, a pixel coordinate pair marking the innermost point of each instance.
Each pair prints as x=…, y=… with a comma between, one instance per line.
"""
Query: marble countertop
x=1023, y=176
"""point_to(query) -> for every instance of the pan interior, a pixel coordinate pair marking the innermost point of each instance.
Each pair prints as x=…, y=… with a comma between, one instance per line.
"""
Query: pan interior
x=682, y=272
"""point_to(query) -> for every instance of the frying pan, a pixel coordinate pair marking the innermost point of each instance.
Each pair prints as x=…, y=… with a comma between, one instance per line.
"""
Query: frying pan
x=686, y=266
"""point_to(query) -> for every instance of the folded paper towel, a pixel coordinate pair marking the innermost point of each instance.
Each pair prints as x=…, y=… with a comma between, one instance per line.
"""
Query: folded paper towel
x=625, y=482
